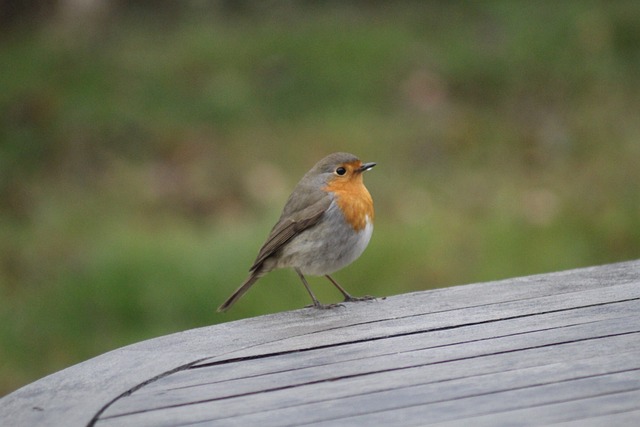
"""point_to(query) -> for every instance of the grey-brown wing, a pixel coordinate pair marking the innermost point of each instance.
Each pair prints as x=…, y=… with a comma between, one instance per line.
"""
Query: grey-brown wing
x=289, y=227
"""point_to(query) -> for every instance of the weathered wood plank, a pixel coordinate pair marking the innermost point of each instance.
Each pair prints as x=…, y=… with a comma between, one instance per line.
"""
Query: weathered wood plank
x=610, y=401
x=304, y=407
x=484, y=351
x=611, y=418
x=400, y=323
x=420, y=340
x=213, y=388
x=615, y=400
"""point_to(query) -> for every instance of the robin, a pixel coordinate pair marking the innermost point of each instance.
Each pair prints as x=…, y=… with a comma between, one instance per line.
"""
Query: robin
x=325, y=225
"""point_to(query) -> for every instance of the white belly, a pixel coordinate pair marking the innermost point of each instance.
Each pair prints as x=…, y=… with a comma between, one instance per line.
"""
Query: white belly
x=339, y=246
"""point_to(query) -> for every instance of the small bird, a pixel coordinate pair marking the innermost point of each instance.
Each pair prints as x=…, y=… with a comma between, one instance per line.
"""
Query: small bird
x=325, y=225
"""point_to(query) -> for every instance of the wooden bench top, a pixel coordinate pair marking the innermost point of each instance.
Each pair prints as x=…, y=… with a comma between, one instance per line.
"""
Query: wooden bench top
x=552, y=348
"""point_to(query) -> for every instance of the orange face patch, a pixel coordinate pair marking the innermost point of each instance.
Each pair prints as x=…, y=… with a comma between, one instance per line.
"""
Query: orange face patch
x=352, y=196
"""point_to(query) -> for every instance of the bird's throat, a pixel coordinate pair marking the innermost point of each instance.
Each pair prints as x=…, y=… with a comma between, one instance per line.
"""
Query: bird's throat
x=354, y=201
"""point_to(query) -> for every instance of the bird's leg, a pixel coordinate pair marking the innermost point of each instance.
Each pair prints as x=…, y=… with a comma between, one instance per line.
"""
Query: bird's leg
x=347, y=296
x=316, y=303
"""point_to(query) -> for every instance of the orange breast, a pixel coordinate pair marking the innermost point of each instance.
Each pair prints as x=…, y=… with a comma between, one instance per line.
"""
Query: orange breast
x=354, y=200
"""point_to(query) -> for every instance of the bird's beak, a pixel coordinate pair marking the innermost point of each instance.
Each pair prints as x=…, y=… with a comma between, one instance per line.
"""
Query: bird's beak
x=366, y=166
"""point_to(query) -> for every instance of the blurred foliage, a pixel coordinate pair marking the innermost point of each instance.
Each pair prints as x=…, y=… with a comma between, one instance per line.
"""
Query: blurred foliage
x=146, y=148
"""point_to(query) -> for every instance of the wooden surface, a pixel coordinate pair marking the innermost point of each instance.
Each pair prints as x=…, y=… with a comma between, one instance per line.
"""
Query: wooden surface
x=555, y=348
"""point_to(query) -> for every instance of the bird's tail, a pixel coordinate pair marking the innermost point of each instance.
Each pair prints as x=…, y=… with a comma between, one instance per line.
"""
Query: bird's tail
x=240, y=291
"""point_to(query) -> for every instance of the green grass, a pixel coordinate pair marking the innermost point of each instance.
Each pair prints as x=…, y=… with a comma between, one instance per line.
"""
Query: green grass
x=142, y=164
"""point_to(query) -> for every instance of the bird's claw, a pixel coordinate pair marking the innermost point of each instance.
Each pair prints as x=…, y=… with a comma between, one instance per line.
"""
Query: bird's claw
x=324, y=306
x=362, y=298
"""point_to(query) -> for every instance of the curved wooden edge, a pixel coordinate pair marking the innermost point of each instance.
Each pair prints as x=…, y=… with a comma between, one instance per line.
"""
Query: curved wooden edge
x=75, y=395
x=78, y=394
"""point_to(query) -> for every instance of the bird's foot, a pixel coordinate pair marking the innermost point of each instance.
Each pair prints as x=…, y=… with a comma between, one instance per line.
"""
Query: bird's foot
x=351, y=298
x=324, y=306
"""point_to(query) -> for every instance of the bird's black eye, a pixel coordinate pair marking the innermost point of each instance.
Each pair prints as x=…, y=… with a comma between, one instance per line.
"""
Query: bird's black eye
x=341, y=171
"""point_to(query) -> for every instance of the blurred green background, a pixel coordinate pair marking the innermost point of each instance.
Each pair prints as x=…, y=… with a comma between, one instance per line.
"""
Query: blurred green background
x=147, y=147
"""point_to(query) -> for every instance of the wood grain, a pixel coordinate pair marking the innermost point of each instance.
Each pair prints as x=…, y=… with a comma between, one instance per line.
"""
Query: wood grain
x=554, y=348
